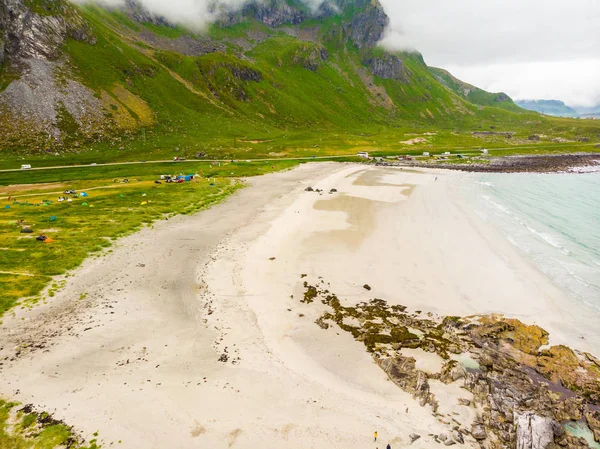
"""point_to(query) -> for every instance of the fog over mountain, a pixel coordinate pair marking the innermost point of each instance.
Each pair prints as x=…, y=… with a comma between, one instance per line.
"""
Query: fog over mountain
x=534, y=49
x=193, y=13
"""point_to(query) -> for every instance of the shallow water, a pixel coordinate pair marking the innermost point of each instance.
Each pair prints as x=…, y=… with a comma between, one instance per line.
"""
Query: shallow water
x=581, y=430
x=553, y=219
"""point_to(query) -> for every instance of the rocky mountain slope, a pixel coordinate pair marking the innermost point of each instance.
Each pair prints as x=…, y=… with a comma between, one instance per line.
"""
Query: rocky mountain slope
x=77, y=77
x=472, y=93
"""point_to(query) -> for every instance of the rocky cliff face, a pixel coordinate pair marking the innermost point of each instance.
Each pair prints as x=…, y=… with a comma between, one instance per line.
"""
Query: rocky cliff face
x=138, y=13
x=274, y=13
x=388, y=67
x=368, y=25
x=37, y=32
x=535, y=432
x=45, y=106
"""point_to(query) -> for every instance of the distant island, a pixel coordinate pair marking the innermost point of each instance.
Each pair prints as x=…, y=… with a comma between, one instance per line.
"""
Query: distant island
x=558, y=108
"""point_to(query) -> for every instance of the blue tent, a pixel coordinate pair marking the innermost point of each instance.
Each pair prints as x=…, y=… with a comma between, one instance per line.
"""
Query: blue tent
x=83, y=194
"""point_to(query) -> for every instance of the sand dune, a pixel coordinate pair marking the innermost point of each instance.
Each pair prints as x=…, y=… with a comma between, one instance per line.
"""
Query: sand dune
x=192, y=334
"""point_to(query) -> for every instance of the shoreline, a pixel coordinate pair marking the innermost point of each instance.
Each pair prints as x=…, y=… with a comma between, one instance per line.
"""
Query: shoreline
x=202, y=315
x=542, y=163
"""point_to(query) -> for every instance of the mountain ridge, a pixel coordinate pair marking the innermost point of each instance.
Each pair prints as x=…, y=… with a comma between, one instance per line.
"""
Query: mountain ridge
x=558, y=108
x=110, y=76
x=549, y=107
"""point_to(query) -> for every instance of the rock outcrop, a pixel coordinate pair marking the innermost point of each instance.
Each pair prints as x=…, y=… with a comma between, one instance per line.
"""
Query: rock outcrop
x=139, y=13
x=592, y=418
x=389, y=67
x=38, y=32
x=310, y=56
x=536, y=432
x=521, y=391
x=274, y=13
x=44, y=105
x=368, y=25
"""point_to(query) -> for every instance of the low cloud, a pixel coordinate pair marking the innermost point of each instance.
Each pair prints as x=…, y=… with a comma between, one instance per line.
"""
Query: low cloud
x=195, y=14
x=546, y=49
x=528, y=49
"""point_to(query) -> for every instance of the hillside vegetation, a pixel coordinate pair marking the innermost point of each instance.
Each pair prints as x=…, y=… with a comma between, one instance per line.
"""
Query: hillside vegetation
x=267, y=81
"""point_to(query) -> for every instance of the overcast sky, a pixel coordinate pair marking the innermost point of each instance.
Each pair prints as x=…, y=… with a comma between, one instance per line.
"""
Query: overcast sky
x=535, y=49
x=530, y=49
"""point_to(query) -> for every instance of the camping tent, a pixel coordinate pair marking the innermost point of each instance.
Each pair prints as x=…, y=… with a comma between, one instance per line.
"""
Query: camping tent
x=83, y=194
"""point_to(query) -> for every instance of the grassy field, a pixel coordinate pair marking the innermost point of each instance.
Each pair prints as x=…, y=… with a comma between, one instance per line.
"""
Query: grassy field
x=88, y=225
x=23, y=428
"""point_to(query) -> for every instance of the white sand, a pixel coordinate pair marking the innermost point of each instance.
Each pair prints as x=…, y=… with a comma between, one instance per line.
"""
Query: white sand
x=428, y=362
x=137, y=359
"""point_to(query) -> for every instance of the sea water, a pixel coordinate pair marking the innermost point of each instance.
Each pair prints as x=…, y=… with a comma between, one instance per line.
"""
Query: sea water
x=553, y=219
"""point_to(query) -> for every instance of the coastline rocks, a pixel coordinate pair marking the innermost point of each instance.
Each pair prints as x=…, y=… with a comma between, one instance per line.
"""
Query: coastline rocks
x=592, y=418
x=478, y=431
x=414, y=437
x=536, y=432
x=402, y=371
x=521, y=390
x=523, y=164
x=452, y=371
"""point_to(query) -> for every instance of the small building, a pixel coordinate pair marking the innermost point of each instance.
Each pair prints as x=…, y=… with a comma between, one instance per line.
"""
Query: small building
x=447, y=153
x=426, y=153
x=363, y=154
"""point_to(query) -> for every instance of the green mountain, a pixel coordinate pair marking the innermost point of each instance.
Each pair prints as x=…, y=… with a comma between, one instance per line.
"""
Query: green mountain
x=548, y=107
x=74, y=78
x=474, y=94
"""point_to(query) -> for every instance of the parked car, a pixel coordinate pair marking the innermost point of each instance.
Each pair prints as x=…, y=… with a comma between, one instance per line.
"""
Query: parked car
x=69, y=192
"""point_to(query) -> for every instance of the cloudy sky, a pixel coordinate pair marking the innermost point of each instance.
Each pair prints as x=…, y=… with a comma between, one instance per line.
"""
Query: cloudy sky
x=530, y=49
x=537, y=49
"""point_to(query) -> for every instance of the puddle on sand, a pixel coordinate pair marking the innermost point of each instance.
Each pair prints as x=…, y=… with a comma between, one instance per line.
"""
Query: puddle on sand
x=373, y=178
x=466, y=361
x=360, y=213
x=580, y=429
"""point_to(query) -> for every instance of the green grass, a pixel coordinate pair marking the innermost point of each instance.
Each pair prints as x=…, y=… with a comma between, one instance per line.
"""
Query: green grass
x=113, y=210
x=288, y=110
x=473, y=94
x=23, y=428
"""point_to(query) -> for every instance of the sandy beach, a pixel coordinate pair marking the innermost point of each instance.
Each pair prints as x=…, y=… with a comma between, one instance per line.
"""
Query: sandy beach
x=191, y=334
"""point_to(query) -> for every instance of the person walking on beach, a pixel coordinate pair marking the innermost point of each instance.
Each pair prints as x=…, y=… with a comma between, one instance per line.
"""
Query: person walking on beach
x=388, y=446
x=375, y=435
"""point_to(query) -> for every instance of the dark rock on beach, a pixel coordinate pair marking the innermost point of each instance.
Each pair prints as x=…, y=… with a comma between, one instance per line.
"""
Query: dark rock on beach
x=523, y=391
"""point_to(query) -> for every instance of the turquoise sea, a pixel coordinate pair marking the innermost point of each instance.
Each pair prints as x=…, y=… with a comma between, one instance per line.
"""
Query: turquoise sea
x=553, y=219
